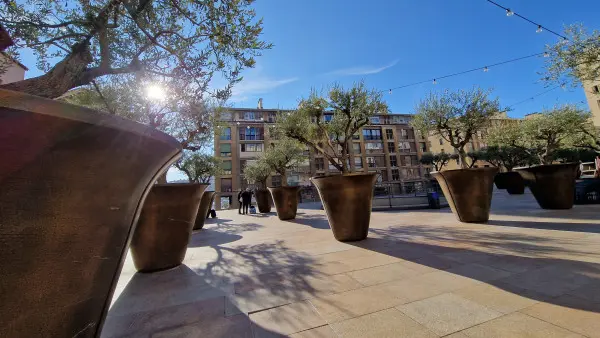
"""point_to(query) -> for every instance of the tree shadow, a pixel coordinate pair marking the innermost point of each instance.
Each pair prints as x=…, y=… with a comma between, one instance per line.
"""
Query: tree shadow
x=576, y=227
x=312, y=220
x=526, y=205
x=175, y=302
x=527, y=263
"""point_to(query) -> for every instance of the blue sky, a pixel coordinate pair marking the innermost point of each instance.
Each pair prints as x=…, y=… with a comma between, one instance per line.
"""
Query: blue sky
x=392, y=43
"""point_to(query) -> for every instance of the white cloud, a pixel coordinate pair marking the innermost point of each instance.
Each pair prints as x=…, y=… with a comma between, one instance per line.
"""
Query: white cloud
x=363, y=70
x=252, y=85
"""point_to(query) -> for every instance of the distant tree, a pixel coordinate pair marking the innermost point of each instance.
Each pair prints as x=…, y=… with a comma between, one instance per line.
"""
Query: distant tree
x=566, y=155
x=257, y=172
x=350, y=109
x=186, y=41
x=506, y=157
x=284, y=155
x=474, y=156
x=455, y=116
x=199, y=168
x=574, y=60
x=438, y=161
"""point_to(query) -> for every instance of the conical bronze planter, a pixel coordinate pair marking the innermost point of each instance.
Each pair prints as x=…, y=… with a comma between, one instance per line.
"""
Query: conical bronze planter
x=286, y=201
x=263, y=200
x=511, y=181
x=72, y=184
x=205, y=203
x=468, y=192
x=347, y=200
x=165, y=227
x=552, y=185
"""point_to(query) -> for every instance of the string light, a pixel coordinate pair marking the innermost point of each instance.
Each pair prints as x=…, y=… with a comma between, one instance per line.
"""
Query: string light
x=390, y=92
x=434, y=81
x=533, y=97
x=486, y=69
x=540, y=28
x=546, y=54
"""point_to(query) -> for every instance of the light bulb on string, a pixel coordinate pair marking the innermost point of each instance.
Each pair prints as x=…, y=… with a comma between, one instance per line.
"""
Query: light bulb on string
x=390, y=92
x=539, y=29
x=546, y=54
x=509, y=12
x=486, y=69
x=434, y=81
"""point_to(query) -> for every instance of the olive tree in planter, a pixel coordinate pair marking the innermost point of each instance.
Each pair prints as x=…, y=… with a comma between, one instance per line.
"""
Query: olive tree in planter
x=257, y=172
x=200, y=168
x=456, y=117
x=282, y=156
x=553, y=185
x=506, y=158
x=347, y=198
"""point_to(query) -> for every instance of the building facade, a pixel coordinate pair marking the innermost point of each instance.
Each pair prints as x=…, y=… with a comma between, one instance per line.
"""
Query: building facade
x=11, y=70
x=388, y=146
x=592, y=94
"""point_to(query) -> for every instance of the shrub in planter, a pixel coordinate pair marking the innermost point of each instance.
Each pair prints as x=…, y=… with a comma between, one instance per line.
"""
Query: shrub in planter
x=282, y=156
x=327, y=125
x=456, y=117
x=257, y=173
x=200, y=168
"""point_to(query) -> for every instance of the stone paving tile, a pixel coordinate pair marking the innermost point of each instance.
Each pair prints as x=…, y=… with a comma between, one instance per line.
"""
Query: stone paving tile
x=448, y=313
x=234, y=327
x=570, y=312
x=383, y=273
x=446, y=281
x=502, y=298
x=286, y=319
x=354, y=303
x=551, y=280
x=318, y=332
x=590, y=292
x=518, y=325
x=383, y=324
x=479, y=272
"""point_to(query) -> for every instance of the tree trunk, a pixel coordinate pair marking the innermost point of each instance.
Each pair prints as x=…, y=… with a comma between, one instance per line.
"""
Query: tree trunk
x=462, y=158
x=284, y=179
x=65, y=75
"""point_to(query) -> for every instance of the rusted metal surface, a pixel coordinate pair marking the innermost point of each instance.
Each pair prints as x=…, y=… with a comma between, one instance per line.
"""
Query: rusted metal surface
x=165, y=227
x=286, y=201
x=347, y=200
x=263, y=200
x=72, y=182
x=552, y=185
x=207, y=200
x=468, y=191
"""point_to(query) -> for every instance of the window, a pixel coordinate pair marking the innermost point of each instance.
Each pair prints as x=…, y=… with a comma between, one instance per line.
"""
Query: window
x=252, y=116
x=404, y=147
x=226, y=165
x=225, y=116
x=374, y=120
x=319, y=163
x=423, y=147
x=598, y=102
x=414, y=160
x=226, y=134
x=372, y=134
x=252, y=147
x=441, y=141
x=276, y=181
x=356, y=136
x=391, y=147
x=407, y=160
x=272, y=117
x=395, y=175
x=327, y=117
x=389, y=134
x=374, y=145
x=225, y=149
x=226, y=185
x=393, y=161
x=358, y=162
x=371, y=162
x=251, y=133
x=356, y=148
x=595, y=89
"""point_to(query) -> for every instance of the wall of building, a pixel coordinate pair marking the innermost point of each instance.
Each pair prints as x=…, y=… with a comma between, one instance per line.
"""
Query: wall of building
x=592, y=94
x=13, y=73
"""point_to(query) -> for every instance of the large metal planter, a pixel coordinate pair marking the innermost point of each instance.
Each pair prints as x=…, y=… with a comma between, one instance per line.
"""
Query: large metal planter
x=165, y=227
x=347, y=200
x=468, y=192
x=511, y=181
x=72, y=183
x=552, y=185
x=286, y=201
x=263, y=200
x=205, y=203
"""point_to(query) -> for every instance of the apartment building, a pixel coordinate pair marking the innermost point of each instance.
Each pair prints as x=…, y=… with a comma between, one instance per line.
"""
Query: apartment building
x=388, y=146
x=11, y=70
x=592, y=95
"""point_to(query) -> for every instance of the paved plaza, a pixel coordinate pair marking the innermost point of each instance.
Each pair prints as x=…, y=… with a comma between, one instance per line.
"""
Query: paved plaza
x=528, y=272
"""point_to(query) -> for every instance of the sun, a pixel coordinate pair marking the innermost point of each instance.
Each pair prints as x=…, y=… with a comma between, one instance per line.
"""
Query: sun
x=156, y=92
